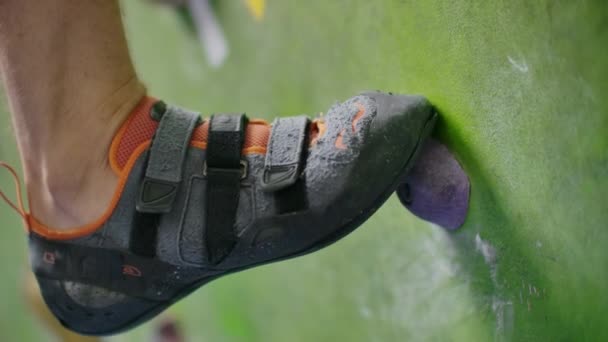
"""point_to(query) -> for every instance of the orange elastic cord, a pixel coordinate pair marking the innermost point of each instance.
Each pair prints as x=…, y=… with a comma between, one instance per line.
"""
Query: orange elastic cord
x=19, y=208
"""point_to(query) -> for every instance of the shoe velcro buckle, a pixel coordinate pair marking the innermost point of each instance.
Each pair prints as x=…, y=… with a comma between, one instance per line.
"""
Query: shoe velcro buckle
x=224, y=169
x=285, y=157
x=166, y=160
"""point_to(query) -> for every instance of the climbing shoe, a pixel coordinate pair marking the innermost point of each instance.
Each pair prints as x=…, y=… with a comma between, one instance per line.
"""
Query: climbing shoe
x=199, y=199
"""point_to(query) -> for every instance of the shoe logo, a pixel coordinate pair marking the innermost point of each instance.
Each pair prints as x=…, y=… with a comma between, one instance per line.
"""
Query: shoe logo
x=131, y=271
x=49, y=258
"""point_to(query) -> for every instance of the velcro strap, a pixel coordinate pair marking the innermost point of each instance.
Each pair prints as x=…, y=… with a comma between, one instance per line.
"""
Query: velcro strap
x=109, y=269
x=166, y=160
x=224, y=170
x=285, y=155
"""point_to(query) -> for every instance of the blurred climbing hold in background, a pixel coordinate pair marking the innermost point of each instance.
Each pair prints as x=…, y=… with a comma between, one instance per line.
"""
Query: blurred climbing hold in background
x=200, y=18
x=257, y=8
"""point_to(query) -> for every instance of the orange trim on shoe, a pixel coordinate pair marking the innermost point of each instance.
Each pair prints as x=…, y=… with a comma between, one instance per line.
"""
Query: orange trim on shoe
x=340, y=141
x=317, y=130
x=358, y=116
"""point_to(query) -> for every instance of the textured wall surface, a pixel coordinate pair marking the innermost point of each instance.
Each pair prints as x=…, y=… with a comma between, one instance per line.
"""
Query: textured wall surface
x=522, y=87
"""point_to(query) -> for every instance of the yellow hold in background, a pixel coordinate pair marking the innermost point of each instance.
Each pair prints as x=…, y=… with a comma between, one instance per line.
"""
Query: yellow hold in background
x=256, y=8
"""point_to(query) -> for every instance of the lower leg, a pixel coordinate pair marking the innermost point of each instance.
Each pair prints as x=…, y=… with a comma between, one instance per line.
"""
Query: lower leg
x=70, y=84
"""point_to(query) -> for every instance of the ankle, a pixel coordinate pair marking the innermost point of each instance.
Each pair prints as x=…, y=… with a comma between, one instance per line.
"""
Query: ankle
x=68, y=180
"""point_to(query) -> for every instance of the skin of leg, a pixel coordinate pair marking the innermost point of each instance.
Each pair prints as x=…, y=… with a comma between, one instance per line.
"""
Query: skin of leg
x=70, y=84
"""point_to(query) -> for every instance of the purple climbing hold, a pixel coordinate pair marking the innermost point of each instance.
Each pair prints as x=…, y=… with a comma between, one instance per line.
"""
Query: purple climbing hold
x=436, y=188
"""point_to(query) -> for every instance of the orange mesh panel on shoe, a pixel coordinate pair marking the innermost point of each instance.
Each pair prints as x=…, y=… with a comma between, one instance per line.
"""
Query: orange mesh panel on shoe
x=257, y=134
x=141, y=127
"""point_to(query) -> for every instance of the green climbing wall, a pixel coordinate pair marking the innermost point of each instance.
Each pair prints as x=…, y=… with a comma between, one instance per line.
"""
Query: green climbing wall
x=522, y=88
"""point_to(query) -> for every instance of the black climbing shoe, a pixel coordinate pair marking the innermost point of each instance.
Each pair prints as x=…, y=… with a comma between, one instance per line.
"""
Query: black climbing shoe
x=201, y=199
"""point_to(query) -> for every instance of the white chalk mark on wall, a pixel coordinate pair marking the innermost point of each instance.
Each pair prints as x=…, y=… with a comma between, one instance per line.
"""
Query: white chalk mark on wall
x=521, y=66
x=502, y=308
